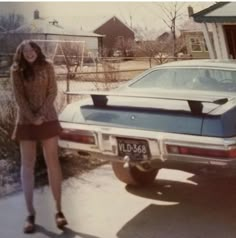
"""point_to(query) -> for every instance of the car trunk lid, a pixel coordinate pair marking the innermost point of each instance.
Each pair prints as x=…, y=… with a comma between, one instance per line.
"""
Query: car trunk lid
x=173, y=113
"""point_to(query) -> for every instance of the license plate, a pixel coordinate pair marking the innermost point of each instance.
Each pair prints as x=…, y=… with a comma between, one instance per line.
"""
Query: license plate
x=135, y=149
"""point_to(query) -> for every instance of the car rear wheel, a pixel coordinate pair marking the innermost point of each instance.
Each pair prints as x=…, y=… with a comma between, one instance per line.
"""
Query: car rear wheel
x=133, y=175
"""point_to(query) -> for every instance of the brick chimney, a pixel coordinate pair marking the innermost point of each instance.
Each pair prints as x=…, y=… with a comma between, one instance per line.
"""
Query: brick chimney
x=190, y=11
x=36, y=14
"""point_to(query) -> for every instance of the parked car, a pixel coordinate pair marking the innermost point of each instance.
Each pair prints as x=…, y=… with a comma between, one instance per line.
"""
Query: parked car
x=179, y=115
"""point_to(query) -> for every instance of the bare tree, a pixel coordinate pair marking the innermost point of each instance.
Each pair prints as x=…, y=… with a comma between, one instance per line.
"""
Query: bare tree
x=8, y=38
x=172, y=14
x=11, y=21
x=128, y=14
x=149, y=45
x=73, y=54
x=154, y=50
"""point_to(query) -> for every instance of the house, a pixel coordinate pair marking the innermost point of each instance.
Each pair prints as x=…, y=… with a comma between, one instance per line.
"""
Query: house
x=221, y=17
x=117, y=36
x=46, y=29
x=192, y=37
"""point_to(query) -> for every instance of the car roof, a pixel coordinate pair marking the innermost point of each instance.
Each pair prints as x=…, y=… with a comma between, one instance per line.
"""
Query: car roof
x=219, y=63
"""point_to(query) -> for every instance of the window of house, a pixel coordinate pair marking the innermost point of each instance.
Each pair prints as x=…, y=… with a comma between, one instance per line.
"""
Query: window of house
x=195, y=44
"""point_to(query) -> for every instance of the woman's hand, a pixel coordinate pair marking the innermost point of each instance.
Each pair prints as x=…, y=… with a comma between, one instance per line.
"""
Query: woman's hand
x=39, y=121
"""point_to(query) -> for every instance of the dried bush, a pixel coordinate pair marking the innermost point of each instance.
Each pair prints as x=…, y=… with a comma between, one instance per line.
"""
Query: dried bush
x=9, y=150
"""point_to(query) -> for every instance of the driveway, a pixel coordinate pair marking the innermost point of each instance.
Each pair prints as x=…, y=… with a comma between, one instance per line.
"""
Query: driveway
x=97, y=205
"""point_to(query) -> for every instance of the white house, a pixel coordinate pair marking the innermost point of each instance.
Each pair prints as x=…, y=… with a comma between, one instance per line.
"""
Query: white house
x=42, y=28
x=221, y=17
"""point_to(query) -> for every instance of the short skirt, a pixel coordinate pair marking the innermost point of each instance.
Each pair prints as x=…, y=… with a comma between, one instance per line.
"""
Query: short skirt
x=41, y=132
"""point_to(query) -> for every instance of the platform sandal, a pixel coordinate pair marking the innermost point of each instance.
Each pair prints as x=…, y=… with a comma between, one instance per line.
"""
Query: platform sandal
x=60, y=220
x=29, y=226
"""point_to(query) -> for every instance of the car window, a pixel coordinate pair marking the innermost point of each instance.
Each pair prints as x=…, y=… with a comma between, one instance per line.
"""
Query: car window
x=189, y=79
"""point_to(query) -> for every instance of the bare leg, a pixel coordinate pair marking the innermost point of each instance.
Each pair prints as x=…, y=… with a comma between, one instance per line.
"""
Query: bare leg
x=50, y=150
x=28, y=158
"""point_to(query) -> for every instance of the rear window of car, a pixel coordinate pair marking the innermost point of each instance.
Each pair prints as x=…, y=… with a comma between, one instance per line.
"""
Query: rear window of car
x=189, y=79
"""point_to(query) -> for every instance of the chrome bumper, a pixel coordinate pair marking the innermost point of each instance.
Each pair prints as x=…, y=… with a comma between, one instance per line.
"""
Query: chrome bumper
x=106, y=145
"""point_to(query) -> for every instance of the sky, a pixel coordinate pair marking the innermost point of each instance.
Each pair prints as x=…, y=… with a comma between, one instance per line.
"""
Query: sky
x=147, y=15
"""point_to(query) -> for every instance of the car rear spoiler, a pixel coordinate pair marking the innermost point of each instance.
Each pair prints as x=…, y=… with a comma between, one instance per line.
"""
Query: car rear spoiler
x=195, y=102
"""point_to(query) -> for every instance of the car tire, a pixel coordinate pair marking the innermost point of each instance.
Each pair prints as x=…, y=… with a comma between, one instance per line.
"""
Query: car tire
x=133, y=175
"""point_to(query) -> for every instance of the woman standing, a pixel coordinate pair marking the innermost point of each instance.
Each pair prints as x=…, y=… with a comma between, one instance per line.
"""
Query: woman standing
x=35, y=90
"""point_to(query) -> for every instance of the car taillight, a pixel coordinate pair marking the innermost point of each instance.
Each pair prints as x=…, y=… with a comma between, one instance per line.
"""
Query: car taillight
x=79, y=136
x=204, y=152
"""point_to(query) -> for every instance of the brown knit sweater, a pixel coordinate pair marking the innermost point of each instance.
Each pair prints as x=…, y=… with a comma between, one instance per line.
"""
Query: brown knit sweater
x=35, y=98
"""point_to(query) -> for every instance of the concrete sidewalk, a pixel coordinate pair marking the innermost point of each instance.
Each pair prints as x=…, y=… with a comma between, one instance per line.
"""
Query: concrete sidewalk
x=97, y=205
x=79, y=206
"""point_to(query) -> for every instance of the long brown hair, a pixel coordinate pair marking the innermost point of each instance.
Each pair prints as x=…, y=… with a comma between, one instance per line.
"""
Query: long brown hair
x=21, y=64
